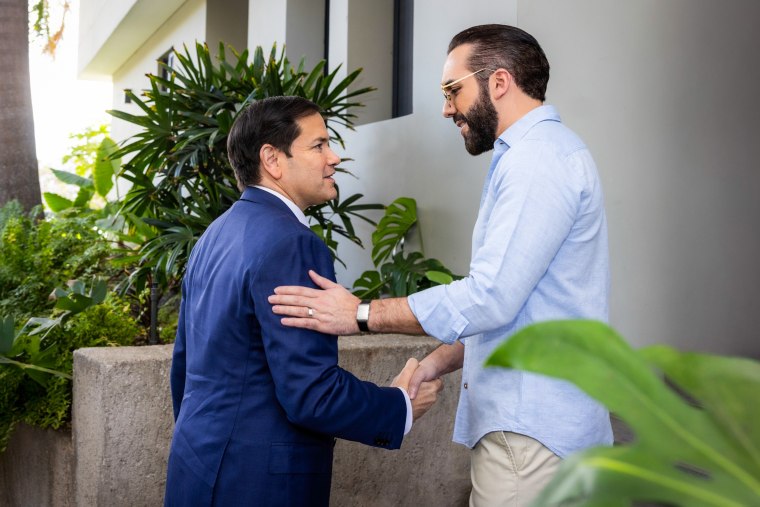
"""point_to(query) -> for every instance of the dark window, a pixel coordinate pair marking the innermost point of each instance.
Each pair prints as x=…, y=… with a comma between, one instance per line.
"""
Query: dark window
x=403, y=31
x=165, y=64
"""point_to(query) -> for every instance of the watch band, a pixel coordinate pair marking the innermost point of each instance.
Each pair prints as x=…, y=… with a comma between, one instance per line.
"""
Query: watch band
x=362, y=316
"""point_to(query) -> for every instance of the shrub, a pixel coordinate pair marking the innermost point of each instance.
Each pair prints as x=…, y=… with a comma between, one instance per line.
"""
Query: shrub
x=36, y=361
x=38, y=255
x=177, y=164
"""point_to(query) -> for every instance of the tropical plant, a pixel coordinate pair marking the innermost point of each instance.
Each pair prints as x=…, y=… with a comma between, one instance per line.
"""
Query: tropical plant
x=95, y=170
x=36, y=360
x=177, y=163
x=397, y=274
x=697, y=448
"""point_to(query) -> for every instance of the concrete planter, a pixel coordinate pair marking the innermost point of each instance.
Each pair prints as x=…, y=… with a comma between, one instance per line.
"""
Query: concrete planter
x=37, y=468
x=116, y=452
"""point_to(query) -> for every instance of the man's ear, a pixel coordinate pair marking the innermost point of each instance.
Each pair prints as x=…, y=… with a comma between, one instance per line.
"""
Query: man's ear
x=269, y=157
x=500, y=83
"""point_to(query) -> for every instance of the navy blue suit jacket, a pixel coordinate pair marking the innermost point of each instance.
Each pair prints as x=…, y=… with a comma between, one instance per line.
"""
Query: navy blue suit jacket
x=257, y=405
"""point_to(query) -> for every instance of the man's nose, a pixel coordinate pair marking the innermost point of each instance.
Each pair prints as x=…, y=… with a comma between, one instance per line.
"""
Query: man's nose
x=332, y=158
x=448, y=109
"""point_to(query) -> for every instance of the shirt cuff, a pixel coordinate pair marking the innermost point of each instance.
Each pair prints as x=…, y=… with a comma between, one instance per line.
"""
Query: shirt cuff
x=409, y=413
x=437, y=313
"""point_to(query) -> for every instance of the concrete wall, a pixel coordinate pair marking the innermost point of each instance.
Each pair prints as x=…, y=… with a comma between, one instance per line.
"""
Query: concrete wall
x=122, y=423
x=37, y=468
x=429, y=469
x=122, y=426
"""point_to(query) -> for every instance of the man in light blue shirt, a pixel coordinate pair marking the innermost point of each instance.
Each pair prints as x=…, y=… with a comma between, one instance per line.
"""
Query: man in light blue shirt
x=539, y=252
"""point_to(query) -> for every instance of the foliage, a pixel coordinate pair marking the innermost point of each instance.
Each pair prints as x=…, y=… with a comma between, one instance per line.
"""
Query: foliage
x=36, y=361
x=37, y=255
x=705, y=453
x=83, y=151
x=95, y=172
x=181, y=177
x=397, y=274
x=40, y=17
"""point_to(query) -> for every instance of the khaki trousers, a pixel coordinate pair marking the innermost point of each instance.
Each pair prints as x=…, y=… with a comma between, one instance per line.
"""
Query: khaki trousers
x=509, y=469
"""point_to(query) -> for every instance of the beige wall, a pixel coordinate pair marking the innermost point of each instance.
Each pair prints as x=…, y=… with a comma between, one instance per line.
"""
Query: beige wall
x=110, y=30
x=666, y=95
x=227, y=21
x=184, y=27
x=370, y=46
x=297, y=24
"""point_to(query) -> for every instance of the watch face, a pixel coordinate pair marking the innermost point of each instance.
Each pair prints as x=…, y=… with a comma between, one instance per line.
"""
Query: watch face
x=362, y=313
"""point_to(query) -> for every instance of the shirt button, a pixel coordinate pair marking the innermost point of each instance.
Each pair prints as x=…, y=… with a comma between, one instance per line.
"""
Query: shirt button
x=465, y=385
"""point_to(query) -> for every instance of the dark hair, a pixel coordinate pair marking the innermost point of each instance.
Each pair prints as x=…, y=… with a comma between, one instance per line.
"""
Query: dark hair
x=267, y=121
x=507, y=47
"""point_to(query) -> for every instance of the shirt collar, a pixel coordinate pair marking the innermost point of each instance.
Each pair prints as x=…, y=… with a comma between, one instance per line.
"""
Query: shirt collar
x=521, y=127
x=290, y=204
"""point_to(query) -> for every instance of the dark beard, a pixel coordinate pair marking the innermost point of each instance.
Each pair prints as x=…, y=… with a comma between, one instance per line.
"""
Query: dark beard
x=482, y=120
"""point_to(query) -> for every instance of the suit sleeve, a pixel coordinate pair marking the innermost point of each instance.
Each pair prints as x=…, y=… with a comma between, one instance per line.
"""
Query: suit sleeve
x=314, y=392
x=179, y=363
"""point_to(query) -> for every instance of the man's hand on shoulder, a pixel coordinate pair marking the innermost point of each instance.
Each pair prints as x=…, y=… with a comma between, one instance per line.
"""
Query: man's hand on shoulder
x=331, y=309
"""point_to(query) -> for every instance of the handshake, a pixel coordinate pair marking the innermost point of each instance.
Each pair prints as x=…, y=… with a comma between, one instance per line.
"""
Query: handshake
x=422, y=385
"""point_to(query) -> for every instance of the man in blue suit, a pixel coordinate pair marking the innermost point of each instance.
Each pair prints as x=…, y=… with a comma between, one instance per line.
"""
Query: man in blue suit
x=258, y=405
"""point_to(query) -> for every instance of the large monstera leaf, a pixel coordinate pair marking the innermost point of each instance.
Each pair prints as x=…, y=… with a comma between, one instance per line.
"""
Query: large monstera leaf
x=701, y=452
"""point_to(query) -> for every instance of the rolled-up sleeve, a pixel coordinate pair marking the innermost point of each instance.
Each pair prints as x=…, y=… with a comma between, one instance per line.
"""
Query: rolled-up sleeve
x=529, y=208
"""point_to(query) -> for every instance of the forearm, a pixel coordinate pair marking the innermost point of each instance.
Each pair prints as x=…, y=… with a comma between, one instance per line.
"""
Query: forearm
x=393, y=315
x=446, y=358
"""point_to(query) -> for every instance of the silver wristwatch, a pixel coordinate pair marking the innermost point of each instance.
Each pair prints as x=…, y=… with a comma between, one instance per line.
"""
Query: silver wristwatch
x=362, y=315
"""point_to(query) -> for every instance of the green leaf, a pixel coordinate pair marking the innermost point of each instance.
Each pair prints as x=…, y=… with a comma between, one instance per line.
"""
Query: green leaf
x=56, y=202
x=74, y=303
x=721, y=384
x=7, y=334
x=625, y=476
x=29, y=368
x=83, y=197
x=439, y=277
x=76, y=299
x=40, y=325
x=369, y=285
x=105, y=167
x=99, y=291
x=681, y=444
x=72, y=179
x=399, y=217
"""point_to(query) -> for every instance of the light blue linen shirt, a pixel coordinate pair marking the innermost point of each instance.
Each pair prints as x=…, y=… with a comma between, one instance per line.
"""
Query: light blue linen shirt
x=539, y=252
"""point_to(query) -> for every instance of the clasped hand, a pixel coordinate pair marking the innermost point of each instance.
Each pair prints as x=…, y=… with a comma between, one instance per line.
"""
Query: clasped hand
x=422, y=385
